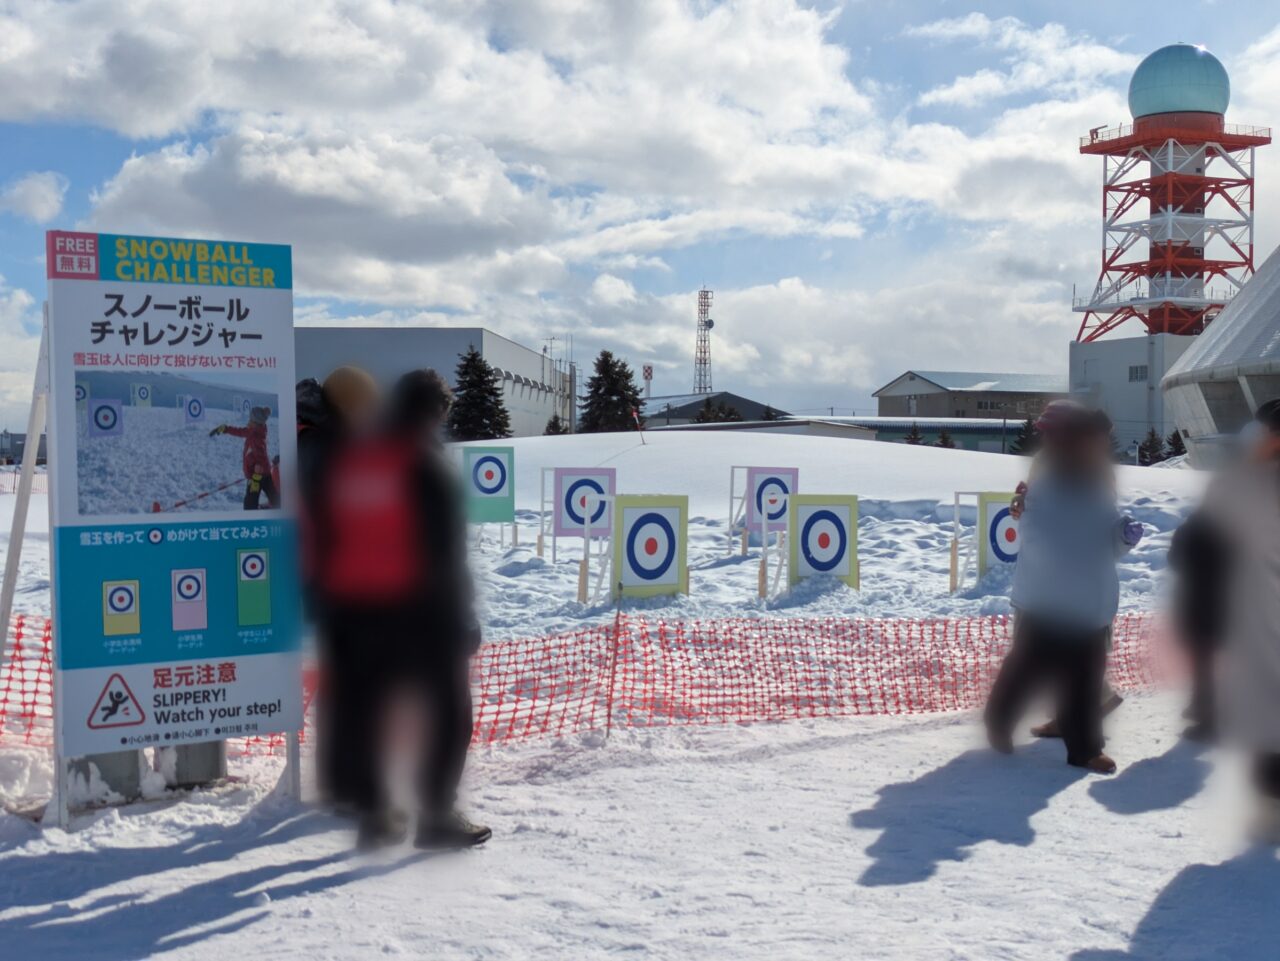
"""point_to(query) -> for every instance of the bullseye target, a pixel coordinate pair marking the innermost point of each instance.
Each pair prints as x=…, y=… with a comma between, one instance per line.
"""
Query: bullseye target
x=141, y=395
x=155, y=536
x=823, y=531
x=188, y=586
x=489, y=474
x=195, y=409
x=190, y=600
x=120, y=609
x=490, y=477
x=122, y=599
x=82, y=393
x=650, y=541
x=105, y=418
x=253, y=565
x=998, y=532
x=582, y=497
x=769, y=491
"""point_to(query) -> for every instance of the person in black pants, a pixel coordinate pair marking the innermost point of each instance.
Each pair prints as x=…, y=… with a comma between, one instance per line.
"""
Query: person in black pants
x=1199, y=556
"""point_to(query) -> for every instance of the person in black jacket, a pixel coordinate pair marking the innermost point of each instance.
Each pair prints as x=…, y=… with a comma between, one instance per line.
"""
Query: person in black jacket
x=1199, y=556
x=393, y=580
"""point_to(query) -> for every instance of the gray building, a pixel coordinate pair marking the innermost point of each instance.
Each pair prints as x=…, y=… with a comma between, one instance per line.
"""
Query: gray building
x=950, y=393
x=673, y=410
x=534, y=385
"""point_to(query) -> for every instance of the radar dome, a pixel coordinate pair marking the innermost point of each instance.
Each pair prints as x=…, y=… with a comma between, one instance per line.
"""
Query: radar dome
x=1180, y=78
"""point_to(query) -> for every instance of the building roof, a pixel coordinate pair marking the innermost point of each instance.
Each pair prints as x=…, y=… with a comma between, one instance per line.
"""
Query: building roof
x=786, y=422
x=953, y=424
x=955, y=380
x=655, y=406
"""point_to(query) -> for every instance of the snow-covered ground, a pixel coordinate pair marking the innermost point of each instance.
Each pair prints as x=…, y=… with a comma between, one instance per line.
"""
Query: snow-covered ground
x=869, y=839
x=861, y=838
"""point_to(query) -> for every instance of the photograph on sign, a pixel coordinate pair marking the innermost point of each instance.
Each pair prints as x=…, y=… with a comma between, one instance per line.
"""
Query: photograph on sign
x=650, y=545
x=998, y=536
x=488, y=475
x=134, y=457
x=580, y=493
x=823, y=535
x=769, y=490
x=175, y=608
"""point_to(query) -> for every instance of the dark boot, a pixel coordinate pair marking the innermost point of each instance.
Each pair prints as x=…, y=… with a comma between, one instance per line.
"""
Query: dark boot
x=381, y=829
x=450, y=830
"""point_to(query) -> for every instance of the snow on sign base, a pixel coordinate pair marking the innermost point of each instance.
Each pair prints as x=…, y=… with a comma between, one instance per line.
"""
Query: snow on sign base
x=823, y=533
x=579, y=494
x=997, y=532
x=769, y=490
x=650, y=545
x=158, y=639
x=489, y=476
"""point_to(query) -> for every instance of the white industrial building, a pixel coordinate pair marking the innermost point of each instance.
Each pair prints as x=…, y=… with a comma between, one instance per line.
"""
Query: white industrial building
x=1231, y=369
x=1122, y=376
x=535, y=386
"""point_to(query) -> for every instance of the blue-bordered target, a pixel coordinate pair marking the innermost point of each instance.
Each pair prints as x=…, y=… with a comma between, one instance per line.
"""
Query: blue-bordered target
x=582, y=494
x=155, y=536
x=195, y=409
x=768, y=496
x=650, y=547
x=144, y=392
x=771, y=498
x=82, y=393
x=1003, y=536
x=122, y=599
x=489, y=475
x=253, y=566
x=824, y=541
x=188, y=586
x=105, y=419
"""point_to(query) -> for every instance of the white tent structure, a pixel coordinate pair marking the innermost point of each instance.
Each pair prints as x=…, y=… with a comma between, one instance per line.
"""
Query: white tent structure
x=1213, y=389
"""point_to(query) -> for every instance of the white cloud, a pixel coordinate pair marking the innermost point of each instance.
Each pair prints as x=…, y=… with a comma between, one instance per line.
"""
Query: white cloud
x=35, y=196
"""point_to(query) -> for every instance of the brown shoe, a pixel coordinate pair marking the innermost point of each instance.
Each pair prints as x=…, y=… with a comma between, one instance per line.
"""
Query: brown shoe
x=1047, y=729
x=1101, y=764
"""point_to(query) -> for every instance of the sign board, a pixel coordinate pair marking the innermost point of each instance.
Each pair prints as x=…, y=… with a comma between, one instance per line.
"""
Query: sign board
x=172, y=625
x=650, y=545
x=647, y=371
x=769, y=491
x=998, y=540
x=823, y=535
x=489, y=478
x=579, y=493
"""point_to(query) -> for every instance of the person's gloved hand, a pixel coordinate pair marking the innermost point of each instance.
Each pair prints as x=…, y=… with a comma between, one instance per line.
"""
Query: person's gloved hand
x=1132, y=532
x=220, y=429
x=255, y=483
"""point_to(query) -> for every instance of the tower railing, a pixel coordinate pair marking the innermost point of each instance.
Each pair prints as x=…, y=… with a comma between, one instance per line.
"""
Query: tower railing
x=1128, y=130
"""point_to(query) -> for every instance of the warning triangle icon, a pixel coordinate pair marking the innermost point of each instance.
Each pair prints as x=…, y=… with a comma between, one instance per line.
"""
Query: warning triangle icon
x=116, y=706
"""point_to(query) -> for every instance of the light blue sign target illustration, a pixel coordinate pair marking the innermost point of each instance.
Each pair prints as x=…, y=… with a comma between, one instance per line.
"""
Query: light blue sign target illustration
x=194, y=409
x=105, y=419
x=824, y=541
x=1002, y=534
x=490, y=484
x=650, y=548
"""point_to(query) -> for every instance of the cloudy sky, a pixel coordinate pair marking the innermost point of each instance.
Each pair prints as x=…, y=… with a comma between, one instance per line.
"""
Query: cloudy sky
x=867, y=186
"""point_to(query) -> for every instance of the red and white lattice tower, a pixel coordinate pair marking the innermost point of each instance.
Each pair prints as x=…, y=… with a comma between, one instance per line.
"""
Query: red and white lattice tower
x=702, y=351
x=1177, y=200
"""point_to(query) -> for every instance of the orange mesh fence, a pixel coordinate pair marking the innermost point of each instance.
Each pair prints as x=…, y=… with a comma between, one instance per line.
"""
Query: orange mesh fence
x=636, y=672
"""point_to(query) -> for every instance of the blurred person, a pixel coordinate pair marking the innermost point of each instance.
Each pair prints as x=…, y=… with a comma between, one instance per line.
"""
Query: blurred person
x=1200, y=558
x=393, y=578
x=1243, y=503
x=345, y=405
x=1065, y=587
x=254, y=460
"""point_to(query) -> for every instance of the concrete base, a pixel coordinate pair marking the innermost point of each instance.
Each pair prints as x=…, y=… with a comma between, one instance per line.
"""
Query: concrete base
x=121, y=771
x=198, y=764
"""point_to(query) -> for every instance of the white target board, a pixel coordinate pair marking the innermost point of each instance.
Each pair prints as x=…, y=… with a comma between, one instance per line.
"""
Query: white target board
x=823, y=535
x=769, y=491
x=650, y=545
x=998, y=534
x=490, y=484
x=140, y=395
x=105, y=418
x=581, y=500
x=194, y=410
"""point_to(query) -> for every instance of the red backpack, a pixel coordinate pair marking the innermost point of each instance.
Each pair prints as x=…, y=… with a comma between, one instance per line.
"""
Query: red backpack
x=371, y=550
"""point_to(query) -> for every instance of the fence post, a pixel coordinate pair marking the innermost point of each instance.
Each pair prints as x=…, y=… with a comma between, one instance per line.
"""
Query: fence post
x=613, y=669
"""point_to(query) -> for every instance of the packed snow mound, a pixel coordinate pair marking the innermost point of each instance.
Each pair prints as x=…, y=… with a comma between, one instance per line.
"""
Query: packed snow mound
x=697, y=463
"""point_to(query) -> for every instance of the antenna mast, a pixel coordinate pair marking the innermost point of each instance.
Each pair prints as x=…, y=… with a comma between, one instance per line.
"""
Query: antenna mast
x=702, y=352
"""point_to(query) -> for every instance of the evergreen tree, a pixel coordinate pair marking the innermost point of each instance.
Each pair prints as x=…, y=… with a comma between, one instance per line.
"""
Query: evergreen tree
x=1027, y=441
x=720, y=413
x=914, y=437
x=478, y=412
x=556, y=425
x=769, y=413
x=1151, y=450
x=944, y=440
x=1176, y=447
x=611, y=396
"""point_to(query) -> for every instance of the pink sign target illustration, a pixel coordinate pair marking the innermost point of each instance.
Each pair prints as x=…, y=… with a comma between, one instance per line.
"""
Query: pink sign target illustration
x=580, y=499
x=769, y=491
